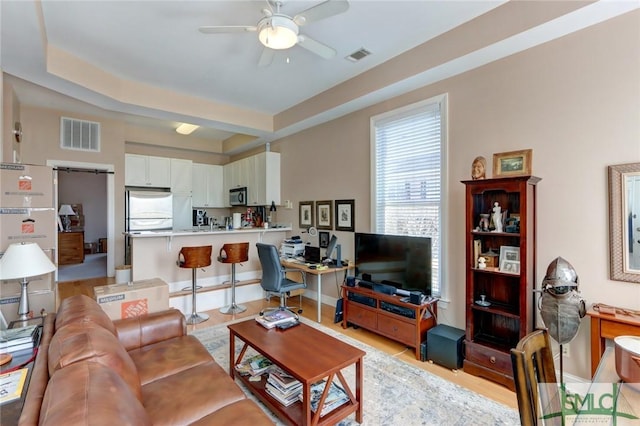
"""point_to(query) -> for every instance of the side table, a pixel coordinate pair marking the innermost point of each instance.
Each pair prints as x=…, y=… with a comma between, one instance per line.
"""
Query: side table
x=608, y=326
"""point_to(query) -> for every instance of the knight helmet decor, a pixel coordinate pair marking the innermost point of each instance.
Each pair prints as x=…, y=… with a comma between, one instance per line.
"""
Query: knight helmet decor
x=561, y=305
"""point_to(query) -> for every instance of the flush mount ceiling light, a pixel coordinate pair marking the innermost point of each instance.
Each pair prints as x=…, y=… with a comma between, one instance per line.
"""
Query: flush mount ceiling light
x=186, y=129
x=278, y=32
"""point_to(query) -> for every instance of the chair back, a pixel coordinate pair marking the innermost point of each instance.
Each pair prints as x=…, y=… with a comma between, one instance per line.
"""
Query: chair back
x=234, y=253
x=272, y=271
x=533, y=367
x=194, y=257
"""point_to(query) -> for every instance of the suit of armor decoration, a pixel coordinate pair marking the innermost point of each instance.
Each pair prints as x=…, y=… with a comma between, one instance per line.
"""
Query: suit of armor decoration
x=561, y=305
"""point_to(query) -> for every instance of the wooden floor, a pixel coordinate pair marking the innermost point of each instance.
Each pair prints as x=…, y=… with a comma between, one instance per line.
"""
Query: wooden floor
x=476, y=384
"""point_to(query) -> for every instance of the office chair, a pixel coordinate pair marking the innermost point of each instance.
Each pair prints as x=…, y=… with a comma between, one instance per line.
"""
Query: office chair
x=274, y=277
x=534, y=375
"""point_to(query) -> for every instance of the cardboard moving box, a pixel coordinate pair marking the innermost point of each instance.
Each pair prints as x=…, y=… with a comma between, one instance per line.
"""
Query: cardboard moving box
x=133, y=299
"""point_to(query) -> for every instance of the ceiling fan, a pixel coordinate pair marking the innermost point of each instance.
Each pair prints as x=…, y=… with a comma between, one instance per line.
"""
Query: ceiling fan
x=277, y=31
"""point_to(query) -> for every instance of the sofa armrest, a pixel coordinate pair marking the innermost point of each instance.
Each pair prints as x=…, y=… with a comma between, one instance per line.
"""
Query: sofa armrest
x=145, y=330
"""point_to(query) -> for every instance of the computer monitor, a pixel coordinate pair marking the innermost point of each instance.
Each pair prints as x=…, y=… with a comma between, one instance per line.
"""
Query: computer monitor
x=330, y=248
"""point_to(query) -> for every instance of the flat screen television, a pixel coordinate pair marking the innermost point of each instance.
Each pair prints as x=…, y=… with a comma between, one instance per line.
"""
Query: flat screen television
x=398, y=260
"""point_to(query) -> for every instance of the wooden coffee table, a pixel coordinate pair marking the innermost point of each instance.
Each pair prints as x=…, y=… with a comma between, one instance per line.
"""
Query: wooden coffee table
x=308, y=355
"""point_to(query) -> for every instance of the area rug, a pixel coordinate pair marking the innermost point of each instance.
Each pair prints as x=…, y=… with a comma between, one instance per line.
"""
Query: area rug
x=395, y=393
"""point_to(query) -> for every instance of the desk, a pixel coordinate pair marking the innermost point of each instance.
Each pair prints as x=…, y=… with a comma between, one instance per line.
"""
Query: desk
x=608, y=326
x=318, y=273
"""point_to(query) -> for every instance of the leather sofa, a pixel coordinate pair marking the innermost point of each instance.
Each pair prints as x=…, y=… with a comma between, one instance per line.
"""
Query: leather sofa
x=146, y=370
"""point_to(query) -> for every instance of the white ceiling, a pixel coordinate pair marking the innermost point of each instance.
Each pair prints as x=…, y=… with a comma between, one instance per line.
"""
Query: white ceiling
x=157, y=43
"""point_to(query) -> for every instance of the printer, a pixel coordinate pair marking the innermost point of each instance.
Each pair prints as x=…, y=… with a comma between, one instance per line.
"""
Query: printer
x=292, y=247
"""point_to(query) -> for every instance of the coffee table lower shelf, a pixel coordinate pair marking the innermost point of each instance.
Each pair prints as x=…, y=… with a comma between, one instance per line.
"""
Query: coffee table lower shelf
x=294, y=413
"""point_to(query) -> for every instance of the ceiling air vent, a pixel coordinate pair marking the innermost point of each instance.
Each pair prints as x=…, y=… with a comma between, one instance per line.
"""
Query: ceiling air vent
x=79, y=135
x=358, y=54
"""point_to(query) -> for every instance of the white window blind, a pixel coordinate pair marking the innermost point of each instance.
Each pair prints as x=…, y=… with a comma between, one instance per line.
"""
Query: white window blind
x=407, y=169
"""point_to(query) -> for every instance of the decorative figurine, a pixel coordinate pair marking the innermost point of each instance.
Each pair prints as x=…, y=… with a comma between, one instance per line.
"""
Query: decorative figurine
x=478, y=168
x=497, y=217
x=482, y=263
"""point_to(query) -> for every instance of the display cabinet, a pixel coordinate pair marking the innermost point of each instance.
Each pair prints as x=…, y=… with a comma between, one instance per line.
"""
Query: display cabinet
x=499, y=291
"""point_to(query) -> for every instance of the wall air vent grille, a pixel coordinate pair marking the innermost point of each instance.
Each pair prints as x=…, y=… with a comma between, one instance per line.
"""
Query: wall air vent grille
x=79, y=135
x=358, y=54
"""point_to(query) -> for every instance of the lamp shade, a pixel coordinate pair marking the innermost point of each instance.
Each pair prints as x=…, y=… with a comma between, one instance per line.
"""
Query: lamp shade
x=66, y=210
x=277, y=32
x=23, y=260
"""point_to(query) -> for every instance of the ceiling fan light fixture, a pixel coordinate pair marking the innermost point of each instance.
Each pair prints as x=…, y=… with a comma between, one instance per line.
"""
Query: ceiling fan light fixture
x=278, y=32
x=186, y=128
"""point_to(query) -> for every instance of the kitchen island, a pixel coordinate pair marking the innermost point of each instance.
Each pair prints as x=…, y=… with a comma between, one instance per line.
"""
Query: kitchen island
x=154, y=255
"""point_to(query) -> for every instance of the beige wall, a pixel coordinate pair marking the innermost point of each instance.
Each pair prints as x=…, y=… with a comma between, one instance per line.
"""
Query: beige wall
x=574, y=101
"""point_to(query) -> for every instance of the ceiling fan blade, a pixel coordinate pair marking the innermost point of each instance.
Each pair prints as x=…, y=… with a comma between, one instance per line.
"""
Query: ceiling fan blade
x=226, y=29
x=316, y=47
x=321, y=11
x=266, y=58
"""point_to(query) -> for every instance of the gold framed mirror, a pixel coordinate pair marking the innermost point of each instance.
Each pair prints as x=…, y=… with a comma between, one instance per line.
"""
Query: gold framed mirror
x=624, y=222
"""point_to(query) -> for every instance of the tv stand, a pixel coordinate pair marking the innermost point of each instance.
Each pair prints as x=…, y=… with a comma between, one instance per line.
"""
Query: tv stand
x=388, y=315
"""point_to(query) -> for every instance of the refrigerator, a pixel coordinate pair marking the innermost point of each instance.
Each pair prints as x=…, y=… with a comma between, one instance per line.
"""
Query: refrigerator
x=28, y=214
x=146, y=210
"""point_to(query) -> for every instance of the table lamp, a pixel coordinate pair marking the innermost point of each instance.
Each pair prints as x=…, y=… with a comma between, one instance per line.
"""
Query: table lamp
x=21, y=261
x=66, y=211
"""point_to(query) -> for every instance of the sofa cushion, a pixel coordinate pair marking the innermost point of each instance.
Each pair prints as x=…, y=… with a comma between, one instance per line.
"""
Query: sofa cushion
x=88, y=393
x=83, y=309
x=76, y=343
x=239, y=413
x=168, y=357
x=184, y=398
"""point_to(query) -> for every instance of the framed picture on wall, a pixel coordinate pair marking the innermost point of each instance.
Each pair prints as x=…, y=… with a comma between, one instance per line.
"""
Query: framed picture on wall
x=306, y=214
x=324, y=215
x=345, y=215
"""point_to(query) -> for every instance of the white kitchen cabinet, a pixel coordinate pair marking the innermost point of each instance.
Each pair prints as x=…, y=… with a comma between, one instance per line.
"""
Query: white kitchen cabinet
x=260, y=173
x=145, y=170
x=264, y=186
x=181, y=176
x=208, y=190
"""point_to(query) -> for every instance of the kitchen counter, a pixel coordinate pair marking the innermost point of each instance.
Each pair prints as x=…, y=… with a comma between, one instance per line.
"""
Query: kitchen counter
x=154, y=254
x=203, y=231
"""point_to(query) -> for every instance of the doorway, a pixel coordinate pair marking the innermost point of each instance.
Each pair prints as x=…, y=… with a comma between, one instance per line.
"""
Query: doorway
x=99, y=250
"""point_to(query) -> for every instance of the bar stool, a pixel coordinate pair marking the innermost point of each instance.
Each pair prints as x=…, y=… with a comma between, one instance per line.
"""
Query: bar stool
x=194, y=258
x=233, y=253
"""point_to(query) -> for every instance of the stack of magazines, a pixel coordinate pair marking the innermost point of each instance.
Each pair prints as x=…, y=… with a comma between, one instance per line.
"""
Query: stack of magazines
x=283, y=387
x=254, y=365
x=274, y=318
x=20, y=340
x=335, y=398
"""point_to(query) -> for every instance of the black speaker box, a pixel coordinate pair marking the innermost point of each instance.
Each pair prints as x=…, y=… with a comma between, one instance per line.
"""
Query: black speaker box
x=339, y=312
x=445, y=346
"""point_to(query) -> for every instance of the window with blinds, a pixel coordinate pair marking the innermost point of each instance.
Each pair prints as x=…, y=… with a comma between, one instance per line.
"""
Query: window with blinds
x=407, y=168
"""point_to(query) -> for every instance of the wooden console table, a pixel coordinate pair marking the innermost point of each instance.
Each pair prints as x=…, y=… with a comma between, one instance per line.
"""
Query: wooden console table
x=388, y=315
x=608, y=326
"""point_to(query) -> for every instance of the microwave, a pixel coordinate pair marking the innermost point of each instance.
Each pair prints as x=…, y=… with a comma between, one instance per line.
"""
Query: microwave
x=238, y=196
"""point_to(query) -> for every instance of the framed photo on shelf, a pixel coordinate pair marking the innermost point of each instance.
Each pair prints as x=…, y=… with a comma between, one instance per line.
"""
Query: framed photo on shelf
x=513, y=163
x=324, y=214
x=323, y=238
x=509, y=254
x=306, y=214
x=510, y=266
x=345, y=215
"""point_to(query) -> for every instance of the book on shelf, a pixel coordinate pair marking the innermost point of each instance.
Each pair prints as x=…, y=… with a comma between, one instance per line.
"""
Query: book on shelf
x=11, y=385
x=254, y=365
x=282, y=378
x=335, y=398
x=285, y=399
x=277, y=317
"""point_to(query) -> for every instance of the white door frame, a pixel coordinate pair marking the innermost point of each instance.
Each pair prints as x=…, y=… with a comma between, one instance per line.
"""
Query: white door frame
x=111, y=268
